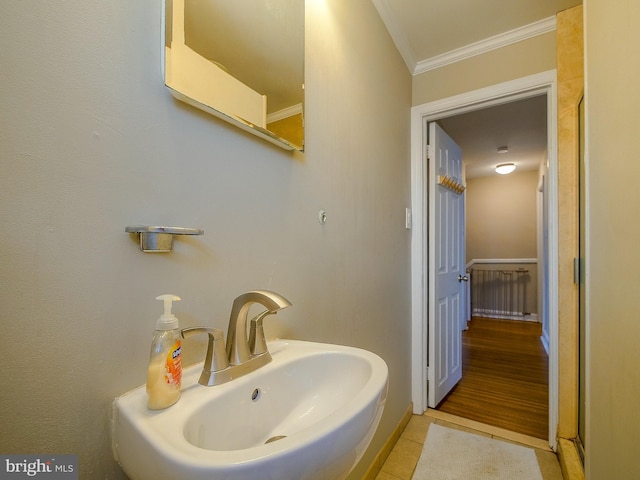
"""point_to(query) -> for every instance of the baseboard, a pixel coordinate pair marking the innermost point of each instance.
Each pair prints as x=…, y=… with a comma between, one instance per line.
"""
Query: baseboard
x=502, y=315
x=569, y=459
x=381, y=457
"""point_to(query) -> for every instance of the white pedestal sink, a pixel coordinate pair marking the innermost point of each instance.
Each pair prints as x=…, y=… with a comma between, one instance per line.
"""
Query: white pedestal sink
x=309, y=414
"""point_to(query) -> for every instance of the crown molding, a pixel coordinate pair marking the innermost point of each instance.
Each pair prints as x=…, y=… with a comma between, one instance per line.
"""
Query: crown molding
x=483, y=46
x=284, y=113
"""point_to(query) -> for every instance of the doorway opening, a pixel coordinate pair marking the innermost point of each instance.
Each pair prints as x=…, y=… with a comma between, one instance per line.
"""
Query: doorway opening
x=534, y=86
x=504, y=362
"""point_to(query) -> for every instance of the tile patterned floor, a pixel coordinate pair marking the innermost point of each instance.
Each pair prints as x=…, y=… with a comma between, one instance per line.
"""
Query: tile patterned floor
x=403, y=459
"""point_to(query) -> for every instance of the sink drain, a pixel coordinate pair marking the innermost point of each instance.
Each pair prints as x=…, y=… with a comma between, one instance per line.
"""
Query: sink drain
x=255, y=395
x=276, y=438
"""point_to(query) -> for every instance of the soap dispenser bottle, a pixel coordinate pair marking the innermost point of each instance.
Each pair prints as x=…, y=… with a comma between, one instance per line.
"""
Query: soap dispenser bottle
x=165, y=363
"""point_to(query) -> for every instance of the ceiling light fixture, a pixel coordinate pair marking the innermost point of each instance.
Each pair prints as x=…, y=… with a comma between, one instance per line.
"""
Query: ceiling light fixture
x=505, y=168
x=504, y=149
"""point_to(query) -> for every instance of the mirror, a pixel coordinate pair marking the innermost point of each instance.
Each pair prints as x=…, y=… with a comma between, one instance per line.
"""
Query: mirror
x=240, y=60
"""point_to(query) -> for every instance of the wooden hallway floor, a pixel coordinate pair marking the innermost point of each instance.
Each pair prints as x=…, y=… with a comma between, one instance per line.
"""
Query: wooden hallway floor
x=504, y=377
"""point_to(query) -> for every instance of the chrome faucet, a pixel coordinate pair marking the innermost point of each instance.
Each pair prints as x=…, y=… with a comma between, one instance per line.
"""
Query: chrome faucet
x=240, y=356
x=238, y=351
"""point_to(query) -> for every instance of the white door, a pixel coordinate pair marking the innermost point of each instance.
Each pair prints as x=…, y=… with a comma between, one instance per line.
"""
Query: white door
x=447, y=264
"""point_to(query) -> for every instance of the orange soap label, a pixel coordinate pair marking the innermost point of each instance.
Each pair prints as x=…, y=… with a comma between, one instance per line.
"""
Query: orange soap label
x=173, y=371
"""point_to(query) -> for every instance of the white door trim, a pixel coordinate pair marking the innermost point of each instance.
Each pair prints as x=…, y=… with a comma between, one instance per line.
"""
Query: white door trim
x=538, y=84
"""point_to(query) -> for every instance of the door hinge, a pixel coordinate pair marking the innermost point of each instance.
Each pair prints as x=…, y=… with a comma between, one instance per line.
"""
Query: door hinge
x=577, y=270
x=426, y=386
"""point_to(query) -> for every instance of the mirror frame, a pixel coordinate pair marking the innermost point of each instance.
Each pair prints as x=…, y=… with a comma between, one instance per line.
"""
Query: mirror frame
x=230, y=118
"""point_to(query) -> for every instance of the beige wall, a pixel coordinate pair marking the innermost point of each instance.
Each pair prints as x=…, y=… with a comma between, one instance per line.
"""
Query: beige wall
x=91, y=141
x=528, y=57
x=613, y=260
x=501, y=216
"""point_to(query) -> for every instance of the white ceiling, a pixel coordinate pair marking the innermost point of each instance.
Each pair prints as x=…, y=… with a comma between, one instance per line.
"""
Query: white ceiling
x=429, y=33
x=521, y=126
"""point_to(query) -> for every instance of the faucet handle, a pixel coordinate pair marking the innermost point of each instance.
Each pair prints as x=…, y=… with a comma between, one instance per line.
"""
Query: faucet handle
x=257, y=340
x=216, y=358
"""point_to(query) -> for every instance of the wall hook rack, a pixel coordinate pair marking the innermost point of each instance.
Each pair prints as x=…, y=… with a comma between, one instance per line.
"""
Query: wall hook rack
x=159, y=239
x=451, y=183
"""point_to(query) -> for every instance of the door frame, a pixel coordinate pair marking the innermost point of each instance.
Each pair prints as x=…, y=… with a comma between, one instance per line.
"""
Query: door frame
x=544, y=83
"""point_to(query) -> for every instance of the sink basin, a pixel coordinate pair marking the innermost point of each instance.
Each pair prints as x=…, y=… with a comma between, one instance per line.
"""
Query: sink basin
x=309, y=414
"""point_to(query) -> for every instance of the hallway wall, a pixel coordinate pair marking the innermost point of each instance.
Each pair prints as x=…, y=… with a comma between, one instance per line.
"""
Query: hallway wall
x=501, y=223
x=501, y=216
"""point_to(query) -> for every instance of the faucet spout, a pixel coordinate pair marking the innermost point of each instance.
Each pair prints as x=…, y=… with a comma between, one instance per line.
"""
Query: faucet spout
x=237, y=344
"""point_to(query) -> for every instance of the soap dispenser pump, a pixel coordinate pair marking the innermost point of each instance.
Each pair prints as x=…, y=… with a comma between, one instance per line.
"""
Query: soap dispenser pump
x=164, y=375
